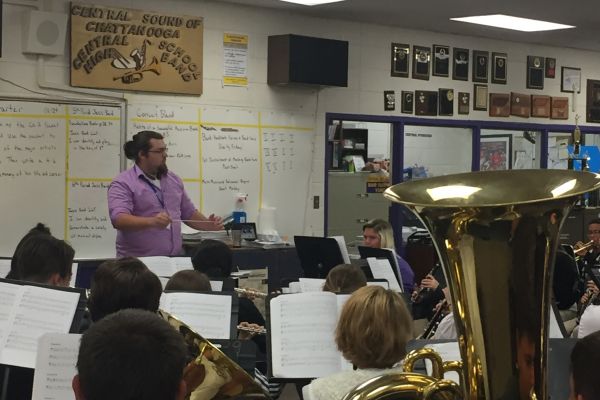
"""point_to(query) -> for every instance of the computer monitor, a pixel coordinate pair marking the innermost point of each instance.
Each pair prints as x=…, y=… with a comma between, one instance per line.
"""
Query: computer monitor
x=317, y=255
x=366, y=252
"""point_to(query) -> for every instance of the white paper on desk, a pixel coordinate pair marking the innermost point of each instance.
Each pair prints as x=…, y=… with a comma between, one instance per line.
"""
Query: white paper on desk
x=35, y=311
x=449, y=352
x=342, y=245
x=207, y=314
x=216, y=286
x=161, y=266
x=74, y=269
x=182, y=263
x=381, y=269
x=311, y=284
x=55, y=366
x=4, y=267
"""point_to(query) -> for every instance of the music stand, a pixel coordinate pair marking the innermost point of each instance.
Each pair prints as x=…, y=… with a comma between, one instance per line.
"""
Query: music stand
x=366, y=252
x=317, y=255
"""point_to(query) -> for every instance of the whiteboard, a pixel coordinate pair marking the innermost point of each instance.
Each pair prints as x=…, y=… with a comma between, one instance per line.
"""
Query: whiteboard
x=221, y=151
x=55, y=164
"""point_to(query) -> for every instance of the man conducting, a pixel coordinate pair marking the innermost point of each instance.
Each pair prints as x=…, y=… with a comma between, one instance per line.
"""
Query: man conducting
x=147, y=202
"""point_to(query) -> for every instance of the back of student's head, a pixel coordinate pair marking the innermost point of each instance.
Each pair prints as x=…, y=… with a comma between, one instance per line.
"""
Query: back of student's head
x=344, y=278
x=373, y=328
x=45, y=259
x=214, y=258
x=131, y=354
x=123, y=283
x=38, y=229
x=190, y=281
x=585, y=357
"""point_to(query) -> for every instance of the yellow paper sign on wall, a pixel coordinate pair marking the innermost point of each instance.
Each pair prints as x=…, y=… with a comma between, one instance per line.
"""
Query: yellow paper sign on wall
x=118, y=48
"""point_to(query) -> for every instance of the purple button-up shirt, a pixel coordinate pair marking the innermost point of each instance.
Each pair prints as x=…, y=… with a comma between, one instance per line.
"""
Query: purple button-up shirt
x=132, y=193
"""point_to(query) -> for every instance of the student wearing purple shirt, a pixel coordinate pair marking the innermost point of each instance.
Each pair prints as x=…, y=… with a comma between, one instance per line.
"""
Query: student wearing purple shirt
x=147, y=202
x=379, y=234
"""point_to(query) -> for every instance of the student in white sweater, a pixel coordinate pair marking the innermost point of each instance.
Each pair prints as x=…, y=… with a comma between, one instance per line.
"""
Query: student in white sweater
x=372, y=333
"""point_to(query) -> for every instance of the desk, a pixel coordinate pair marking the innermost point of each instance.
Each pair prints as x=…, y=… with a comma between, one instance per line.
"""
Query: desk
x=282, y=264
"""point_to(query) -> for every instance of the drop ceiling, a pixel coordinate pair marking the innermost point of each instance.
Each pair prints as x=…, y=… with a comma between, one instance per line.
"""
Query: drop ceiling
x=434, y=16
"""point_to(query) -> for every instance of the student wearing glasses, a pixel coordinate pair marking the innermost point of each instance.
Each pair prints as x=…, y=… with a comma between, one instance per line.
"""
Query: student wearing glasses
x=148, y=202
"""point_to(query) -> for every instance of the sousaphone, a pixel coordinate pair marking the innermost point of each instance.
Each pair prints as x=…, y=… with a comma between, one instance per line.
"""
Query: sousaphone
x=496, y=233
x=211, y=374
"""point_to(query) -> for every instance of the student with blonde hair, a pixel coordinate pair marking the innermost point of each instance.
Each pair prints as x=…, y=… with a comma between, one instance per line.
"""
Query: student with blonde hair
x=372, y=333
x=379, y=234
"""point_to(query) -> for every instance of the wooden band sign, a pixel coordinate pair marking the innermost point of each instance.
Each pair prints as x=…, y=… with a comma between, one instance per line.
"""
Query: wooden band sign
x=118, y=48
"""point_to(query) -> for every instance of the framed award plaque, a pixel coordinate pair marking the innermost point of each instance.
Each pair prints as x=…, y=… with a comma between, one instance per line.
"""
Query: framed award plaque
x=407, y=102
x=463, y=102
x=460, y=64
x=535, y=72
x=480, y=66
x=421, y=61
x=592, y=105
x=499, y=105
x=446, y=99
x=499, y=68
x=480, y=97
x=559, y=108
x=441, y=60
x=550, y=68
x=570, y=80
x=540, y=106
x=520, y=104
x=389, y=100
x=426, y=102
x=400, y=59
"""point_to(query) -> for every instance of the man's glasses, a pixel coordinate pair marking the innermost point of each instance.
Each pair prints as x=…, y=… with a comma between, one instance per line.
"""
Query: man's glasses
x=159, y=151
x=593, y=232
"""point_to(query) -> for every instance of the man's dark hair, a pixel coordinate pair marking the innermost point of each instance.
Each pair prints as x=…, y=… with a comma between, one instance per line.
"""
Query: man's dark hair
x=584, y=356
x=131, y=354
x=40, y=256
x=214, y=258
x=594, y=221
x=189, y=280
x=140, y=142
x=39, y=229
x=123, y=283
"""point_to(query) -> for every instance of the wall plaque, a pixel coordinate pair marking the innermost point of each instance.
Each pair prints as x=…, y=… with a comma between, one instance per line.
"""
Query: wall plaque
x=125, y=49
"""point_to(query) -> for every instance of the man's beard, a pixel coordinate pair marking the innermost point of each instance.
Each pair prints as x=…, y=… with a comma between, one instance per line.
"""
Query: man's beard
x=161, y=170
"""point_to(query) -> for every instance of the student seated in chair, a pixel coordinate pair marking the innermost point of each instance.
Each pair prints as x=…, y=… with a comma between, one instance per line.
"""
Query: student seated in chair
x=189, y=280
x=584, y=381
x=344, y=278
x=123, y=283
x=39, y=229
x=372, y=332
x=44, y=259
x=131, y=354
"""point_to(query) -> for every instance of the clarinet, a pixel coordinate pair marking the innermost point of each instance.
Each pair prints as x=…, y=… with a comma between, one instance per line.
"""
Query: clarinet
x=435, y=321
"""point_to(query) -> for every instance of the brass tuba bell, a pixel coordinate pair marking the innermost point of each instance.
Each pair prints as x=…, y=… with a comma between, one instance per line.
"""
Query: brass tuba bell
x=496, y=233
x=211, y=374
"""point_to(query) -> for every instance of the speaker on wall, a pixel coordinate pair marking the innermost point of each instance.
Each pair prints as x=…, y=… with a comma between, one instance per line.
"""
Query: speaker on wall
x=307, y=60
x=44, y=32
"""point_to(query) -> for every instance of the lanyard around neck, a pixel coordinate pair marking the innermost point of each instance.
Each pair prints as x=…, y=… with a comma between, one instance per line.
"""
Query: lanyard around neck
x=158, y=193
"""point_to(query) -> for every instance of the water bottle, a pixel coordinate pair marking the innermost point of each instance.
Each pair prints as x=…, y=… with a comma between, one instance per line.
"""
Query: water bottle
x=239, y=214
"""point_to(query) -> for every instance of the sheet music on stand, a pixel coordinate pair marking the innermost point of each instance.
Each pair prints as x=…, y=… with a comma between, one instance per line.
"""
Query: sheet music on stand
x=297, y=352
x=55, y=366
x=4, y=267
x=212, y=315
x=166, y=266
x=29, y=311
x=381, y=269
